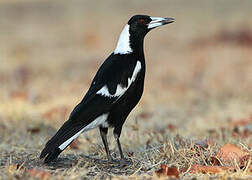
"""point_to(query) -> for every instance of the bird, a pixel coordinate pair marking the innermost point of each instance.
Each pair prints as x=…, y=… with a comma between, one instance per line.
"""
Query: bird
x=115, y=90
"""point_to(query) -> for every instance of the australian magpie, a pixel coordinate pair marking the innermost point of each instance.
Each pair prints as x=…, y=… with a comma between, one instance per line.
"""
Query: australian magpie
x=115, y=90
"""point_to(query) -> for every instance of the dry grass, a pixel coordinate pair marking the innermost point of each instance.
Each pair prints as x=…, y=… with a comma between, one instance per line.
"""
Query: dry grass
x=199, y=81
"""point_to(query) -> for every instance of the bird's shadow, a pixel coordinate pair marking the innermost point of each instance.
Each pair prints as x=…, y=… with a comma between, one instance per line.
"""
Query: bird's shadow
x=62, y=163
x=69, y=161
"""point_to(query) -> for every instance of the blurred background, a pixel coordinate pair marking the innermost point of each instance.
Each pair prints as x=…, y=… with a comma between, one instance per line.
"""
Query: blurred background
x=199, y=69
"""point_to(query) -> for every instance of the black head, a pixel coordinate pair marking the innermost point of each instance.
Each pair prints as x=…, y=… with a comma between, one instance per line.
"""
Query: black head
x=140, y=25
x=132, y=36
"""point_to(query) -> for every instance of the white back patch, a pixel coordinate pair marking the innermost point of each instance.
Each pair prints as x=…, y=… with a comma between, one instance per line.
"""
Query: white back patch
x=123, y=44
x=95, y=123
x=120, y=90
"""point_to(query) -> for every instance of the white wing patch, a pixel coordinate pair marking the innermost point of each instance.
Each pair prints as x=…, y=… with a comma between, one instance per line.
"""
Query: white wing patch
x=120, y=90
x=95, y=123
x=123, y=44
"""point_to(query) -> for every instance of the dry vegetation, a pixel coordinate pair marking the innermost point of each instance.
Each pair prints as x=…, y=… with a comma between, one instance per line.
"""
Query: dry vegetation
x=197, y=94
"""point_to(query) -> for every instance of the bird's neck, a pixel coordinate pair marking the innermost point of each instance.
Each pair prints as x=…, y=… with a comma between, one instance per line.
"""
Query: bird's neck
x=128, y=43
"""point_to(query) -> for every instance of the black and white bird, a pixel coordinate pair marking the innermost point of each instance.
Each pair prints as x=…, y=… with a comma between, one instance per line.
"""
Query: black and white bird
x=115, y=90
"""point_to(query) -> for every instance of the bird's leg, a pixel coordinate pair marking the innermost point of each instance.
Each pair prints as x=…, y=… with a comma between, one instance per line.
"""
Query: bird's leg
x=117, y=133
x=103, y=132
x=119, y=146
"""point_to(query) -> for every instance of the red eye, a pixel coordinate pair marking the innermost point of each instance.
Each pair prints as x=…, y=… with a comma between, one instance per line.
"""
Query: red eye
x=142, y=21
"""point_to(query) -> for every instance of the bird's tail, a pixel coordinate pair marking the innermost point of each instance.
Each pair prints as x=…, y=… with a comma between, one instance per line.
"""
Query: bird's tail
x=65, y=135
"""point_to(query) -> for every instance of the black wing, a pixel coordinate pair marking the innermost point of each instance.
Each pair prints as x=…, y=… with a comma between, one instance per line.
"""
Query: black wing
x=113, y=71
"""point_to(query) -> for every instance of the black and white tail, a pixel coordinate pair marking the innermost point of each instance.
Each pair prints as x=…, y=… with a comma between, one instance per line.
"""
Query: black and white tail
x=65, y=135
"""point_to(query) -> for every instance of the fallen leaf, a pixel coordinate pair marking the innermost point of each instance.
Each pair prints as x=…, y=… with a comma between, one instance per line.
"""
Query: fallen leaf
x=39, y=173
x=167, y=171
x=229, y=153
x=172, y=172
x=196, y=168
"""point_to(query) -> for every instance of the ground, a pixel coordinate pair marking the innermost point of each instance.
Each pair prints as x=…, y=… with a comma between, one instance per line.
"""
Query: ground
x=197, y=90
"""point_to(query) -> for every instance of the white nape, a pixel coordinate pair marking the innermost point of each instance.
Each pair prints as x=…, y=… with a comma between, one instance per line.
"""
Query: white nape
x=155, y=22
x=120, y=90
x=95, y=123
x=123, y=44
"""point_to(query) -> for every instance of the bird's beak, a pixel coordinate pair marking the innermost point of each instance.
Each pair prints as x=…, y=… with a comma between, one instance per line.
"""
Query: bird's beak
x=159, y=21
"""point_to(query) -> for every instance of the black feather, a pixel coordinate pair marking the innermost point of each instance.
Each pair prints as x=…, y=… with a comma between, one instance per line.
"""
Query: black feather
x=81, y=116
x=51, y=150
x=52, y=155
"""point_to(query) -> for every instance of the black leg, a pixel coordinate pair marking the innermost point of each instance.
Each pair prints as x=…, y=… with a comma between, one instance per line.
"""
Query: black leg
x=117, y=133
x=123, y=161
x=103, y=132
x=119, y=146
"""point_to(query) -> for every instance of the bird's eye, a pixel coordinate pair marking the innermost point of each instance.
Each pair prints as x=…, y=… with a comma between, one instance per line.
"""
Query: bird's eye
x=142, y=21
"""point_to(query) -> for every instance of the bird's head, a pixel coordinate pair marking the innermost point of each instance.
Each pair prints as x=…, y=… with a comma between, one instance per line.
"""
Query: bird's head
x=136, y=29
x=140, y=25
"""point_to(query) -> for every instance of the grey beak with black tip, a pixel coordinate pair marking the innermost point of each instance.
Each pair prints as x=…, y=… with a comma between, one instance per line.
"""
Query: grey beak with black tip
x=159, y=21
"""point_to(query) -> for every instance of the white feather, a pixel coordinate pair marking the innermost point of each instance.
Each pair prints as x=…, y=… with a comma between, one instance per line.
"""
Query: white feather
x=123, y=44
x=120, y=90
x=104, y=91
x=95, y=123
